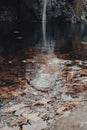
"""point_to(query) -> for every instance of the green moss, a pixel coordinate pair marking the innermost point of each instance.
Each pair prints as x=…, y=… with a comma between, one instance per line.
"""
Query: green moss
x=79, y=10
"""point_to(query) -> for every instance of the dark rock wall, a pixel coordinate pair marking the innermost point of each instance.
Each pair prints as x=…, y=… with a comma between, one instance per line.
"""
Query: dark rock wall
x=28, y=10
x=55, y=9
x=8, y=10
x=71, y=10
x=61, y=10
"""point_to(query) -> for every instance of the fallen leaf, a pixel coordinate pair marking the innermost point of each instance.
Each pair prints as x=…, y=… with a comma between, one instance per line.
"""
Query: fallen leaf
x=61, y=109
x=71, y=105
x=67, y=107
x=13, y=93
x=43, y=101
x=15, y=107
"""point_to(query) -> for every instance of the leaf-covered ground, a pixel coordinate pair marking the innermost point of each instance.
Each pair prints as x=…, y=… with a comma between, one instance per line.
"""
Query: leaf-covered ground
x=26, y=104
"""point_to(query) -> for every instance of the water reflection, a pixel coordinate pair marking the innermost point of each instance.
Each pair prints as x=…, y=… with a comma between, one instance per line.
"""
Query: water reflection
x=60, y=37
x=63, y=37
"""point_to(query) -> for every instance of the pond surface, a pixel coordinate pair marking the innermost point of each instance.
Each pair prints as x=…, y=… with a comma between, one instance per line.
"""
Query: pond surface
x=60, y=37
x=22, y=42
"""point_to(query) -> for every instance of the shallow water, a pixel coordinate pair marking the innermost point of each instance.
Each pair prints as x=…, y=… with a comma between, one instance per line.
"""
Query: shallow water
x=44, y=21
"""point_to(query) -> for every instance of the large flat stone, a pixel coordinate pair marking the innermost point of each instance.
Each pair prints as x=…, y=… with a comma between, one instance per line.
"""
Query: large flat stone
x=77, y=120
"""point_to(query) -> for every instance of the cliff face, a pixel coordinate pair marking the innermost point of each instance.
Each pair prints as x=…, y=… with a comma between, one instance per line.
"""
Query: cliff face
x=55, y=9
x=61, y=10
x=72, y=10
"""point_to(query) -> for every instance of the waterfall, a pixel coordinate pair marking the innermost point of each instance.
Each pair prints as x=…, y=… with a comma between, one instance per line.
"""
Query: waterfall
x=46, y=47
x=44, y=22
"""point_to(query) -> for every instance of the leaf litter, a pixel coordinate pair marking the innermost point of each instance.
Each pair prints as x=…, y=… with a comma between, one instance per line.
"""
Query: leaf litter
x=33, y=106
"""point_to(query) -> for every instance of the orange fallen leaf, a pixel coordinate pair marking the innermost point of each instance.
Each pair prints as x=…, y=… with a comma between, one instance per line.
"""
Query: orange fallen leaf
x=67, y=107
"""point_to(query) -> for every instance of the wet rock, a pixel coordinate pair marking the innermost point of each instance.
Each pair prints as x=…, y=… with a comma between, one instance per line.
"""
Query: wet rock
x=75, y=121
x=28, y=127
x=15, y=107
x=19, y=112
x=38, y=126
x=9, y=128
x=36, y=122
x=32, y=117
x=1, y=59
x=48, y=74
x=17, y=121
x=1, y=103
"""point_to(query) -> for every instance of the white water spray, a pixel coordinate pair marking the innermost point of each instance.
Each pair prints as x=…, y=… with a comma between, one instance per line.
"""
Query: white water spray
x=47, y=80
x=44, y=21
x=47, y=47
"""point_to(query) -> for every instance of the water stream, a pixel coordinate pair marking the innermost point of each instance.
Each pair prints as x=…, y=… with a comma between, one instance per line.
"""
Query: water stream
x=44, y=22
x=47, y=47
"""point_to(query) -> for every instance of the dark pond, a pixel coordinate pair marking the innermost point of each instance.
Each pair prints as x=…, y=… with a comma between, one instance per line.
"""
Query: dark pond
x=62, y=37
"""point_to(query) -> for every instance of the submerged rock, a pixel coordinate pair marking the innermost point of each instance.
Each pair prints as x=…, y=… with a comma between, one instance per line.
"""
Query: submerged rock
x=48, y=74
